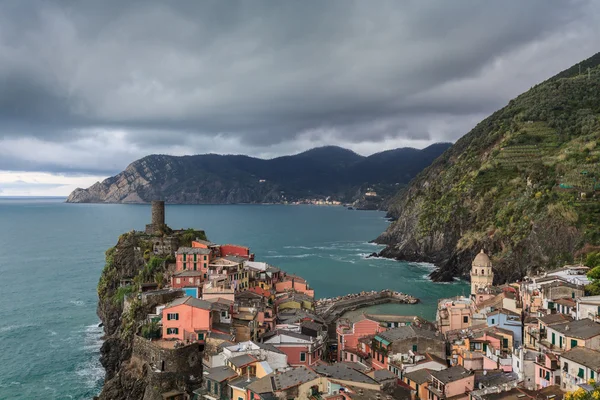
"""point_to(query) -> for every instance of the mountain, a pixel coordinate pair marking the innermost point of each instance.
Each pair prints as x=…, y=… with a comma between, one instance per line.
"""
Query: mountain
x=224, y=179
x=523, y=185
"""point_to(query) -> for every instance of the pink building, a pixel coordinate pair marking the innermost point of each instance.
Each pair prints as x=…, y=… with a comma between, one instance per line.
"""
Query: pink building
x=350, y=331
x=193, y=259
x=454, y=314
x=547, y=371
x=300, y=349
x=294, y=283
x=453, y=382
x=186, y=318
x=182, y=279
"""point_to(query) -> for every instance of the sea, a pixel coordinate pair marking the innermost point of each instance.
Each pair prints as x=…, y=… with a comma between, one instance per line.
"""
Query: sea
x=52, y=253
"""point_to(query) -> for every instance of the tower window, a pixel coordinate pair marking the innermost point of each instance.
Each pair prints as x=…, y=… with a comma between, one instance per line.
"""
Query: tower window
x=482, y=272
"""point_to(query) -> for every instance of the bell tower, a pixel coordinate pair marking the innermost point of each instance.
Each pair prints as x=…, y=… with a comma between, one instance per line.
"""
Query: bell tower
x=482, y=275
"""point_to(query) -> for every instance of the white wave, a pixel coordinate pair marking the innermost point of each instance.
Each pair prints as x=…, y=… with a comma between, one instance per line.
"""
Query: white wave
x=10, y=328
x=91, y=373
x=292, y=256
x=424, y=265
x=297, y=247
x=78, y=303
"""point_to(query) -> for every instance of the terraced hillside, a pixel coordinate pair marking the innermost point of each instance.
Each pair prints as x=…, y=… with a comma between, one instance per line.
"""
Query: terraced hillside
x=524, y=184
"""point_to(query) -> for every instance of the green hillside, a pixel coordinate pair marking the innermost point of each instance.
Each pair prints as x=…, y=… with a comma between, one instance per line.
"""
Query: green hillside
x=524, y=184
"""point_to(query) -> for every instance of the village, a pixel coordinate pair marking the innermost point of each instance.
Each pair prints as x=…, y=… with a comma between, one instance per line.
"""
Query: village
x=231, y=327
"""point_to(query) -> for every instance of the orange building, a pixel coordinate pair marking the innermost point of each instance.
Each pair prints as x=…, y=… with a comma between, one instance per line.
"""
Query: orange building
x=294, y=283
x=186, y=318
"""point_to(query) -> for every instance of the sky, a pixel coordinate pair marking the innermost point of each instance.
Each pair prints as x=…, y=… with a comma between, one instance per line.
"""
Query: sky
x=87, y=87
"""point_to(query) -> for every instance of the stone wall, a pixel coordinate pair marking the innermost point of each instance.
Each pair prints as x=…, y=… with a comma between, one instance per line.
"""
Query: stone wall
x=185, y=360
x=158, y=297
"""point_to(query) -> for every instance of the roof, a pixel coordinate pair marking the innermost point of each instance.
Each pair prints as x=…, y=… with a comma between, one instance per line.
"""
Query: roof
x=504, y=311
x=190, y=301
x=235, y=259
x=581, y=329
x=552, y=319
x=262, y=385
x=419, y=376
x=383, y=375
x=451, y=374
x=219, y=374
x=482, y=260
x=278, y=332
x=584, y=356
x=242, y=382
x=193, y=250
x=291, y=378
x=344, y=373
x=243, y=360
x=407, y=332
x=204, y=242
x=567, y=301
x=187, y=272
x=311, y=325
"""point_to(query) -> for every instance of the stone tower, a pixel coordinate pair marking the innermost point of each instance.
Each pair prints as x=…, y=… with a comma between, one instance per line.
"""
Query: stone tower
x=158, y=217
x=158, y=213
x=482, y=275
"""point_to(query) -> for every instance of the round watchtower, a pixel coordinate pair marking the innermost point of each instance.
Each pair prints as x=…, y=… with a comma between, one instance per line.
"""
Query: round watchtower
x=158, y=214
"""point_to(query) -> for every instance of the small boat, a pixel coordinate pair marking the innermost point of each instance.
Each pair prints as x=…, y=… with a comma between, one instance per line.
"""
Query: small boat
x=350, y=208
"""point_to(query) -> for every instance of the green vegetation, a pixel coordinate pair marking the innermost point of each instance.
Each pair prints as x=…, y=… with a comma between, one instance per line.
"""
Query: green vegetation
x=185, y=239
x=151, y=330
x=593, y=261
x=122, y=292
x=531, y=168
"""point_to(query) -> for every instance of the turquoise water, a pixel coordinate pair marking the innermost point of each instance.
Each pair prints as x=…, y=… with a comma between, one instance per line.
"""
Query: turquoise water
x=51, y=255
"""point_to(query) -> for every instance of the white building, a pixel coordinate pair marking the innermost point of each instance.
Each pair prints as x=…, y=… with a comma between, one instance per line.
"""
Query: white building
x=578, y=366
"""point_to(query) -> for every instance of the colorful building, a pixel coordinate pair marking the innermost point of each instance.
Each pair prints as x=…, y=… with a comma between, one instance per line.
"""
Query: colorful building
x=186, y=318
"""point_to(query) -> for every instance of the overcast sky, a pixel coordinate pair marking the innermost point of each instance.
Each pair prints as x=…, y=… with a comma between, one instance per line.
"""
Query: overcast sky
x=86, y=87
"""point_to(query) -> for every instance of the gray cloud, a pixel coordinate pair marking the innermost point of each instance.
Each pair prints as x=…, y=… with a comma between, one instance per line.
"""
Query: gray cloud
x=93, y=85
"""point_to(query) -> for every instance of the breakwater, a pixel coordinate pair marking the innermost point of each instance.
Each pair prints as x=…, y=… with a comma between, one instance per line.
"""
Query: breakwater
x=332, y=308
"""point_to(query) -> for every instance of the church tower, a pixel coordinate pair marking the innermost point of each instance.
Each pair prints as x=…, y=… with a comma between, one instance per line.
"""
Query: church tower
x=481, y=272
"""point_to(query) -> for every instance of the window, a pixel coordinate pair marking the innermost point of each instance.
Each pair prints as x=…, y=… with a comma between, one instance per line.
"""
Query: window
x=173, y=316
x=223, y=313
x=208, y=385
x=414, y=347
x=195, y=257
x=553, y=338
x=201, y=336
x=204, y=258
x=172, y=331
x=195, y=267
x=592, y=374
x=493, y=321
x=581, y=373
x=505, y=343
x=541, y=373
x=482, y=272
x=573, y=343
x=184, y=265
x=572, y=295
x=204, y=276
x=352, y=357
x=178, y=280
x=302, y=356
x=466, y=319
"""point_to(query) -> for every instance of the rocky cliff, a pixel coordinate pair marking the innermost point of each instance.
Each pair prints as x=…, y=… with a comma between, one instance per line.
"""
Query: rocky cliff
x=128, y=264
x=523, y=185
x=216, y=179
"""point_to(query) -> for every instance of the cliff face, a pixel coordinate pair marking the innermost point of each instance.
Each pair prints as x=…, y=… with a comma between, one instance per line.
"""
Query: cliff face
x=131, y=262
x=522, y=185
x=215, y=179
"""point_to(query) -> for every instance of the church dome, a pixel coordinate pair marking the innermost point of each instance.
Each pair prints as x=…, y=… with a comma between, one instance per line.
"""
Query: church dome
x=482, y=260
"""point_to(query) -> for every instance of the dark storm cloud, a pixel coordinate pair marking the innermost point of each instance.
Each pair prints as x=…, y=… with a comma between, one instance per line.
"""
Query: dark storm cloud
x=265, y=77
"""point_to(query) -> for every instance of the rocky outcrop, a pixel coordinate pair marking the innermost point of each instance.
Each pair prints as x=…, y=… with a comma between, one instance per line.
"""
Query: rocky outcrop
x=519, y=185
